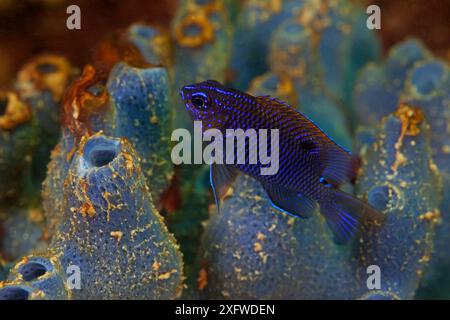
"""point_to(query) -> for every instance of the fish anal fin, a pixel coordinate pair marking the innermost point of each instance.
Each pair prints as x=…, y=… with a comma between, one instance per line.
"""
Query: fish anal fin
x=290, y=202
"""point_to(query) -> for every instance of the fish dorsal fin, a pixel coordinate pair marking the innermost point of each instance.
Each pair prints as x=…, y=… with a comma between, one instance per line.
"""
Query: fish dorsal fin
x=221, y=177
x=270, y=99
x=290, y=202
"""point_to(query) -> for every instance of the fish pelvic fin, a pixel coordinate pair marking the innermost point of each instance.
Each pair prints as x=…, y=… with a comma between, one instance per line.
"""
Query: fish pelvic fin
x=345, y=215
x=221, y=178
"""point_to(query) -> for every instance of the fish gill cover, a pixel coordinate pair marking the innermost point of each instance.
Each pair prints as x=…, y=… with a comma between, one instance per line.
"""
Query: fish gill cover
x=87, y=183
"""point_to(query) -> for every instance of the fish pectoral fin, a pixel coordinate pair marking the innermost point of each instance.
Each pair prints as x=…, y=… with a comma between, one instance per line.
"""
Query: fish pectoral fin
x=339, y=166
x=290, y=202
x=221, y=177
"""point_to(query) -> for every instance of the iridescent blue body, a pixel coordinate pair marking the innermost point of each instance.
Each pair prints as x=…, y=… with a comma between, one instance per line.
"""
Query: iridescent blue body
x=312, y=167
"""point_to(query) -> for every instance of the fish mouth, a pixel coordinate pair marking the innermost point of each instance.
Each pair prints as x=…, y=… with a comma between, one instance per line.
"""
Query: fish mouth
x=185, y=97
x=184, y=92
x=189, y=87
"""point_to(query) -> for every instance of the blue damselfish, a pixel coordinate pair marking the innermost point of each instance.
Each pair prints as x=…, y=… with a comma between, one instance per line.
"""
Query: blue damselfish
x=312, y=167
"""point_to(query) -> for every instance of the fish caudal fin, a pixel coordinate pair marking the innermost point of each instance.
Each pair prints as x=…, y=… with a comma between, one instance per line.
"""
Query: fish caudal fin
x=346, y=214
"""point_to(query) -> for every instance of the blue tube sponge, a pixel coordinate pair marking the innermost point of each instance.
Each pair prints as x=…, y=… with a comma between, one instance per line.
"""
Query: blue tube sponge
x=316, y=47
x=379, y=86
x=17, y=291
x=153, y=44
x=143, y=109
x=133, y=103
x=253, y=251
x=108, y=229
x=255, y=24
x=53, y=189
x=36, y=277
x=400, y=179
x=428, y=86
x=111, y=230
x=411, y=75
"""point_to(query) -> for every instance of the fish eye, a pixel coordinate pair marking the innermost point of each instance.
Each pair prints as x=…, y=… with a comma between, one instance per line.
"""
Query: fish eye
x=199, y=100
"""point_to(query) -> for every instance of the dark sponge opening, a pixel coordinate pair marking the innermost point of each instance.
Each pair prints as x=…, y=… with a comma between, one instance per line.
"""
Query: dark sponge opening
x=47, y=68
x=13, y=293
x=380, y=197
x=3, y=105
x=101, y=151
x=32, y=271
x=101, y=157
